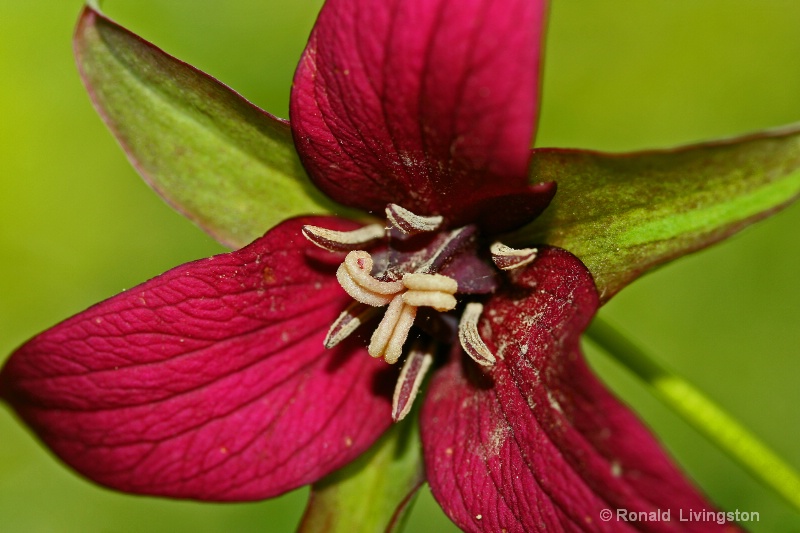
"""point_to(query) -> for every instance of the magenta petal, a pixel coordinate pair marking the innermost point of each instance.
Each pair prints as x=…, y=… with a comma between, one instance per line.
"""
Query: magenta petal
x=536, y=443
x=209, y=381
x=430, y=104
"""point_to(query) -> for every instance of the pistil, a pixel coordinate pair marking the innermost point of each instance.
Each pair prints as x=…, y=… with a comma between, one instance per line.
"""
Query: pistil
x=388, y=339
x=402, y=296
x=431, y=290
x=355, y=277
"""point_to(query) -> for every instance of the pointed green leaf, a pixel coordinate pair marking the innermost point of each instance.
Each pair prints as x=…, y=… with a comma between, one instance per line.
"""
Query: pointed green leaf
x=218, y=159
x=623, y=214
x=375, y=492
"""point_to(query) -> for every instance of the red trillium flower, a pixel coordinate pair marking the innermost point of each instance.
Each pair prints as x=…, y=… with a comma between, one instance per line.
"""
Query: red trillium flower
x=251, y=373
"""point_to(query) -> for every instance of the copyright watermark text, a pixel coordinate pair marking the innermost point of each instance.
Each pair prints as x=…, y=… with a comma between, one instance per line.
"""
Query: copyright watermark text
x=681, y=515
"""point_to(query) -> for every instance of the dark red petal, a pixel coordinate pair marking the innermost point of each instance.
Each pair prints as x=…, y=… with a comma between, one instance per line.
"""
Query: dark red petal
x=429, y=104
x=209, y=381
x=511, y=210
x=537, y=443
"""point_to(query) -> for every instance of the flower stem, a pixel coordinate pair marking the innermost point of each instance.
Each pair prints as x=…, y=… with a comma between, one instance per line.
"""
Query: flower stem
x=693, y=406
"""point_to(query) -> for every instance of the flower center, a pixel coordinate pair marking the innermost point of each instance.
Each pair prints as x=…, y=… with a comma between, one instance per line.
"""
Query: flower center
x=403, y=297
x=414, y=265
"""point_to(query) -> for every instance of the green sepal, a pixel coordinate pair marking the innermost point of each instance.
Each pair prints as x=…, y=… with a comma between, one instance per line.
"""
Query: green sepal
x=215, y=157
x=623, y=214
x=375, y=492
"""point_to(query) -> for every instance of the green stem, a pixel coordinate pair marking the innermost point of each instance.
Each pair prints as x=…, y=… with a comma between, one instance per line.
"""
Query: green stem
x=708, y=418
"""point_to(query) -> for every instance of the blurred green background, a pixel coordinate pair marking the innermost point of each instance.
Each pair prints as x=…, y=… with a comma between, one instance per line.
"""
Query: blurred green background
x=77, y=225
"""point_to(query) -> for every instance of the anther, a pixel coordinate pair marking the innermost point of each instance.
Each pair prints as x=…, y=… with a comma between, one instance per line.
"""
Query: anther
x=456, y=239
x=417, y=363
x=507, y=258
x=343, y=241
x=470, y=338
x=355, y=277
x=347, y=322
x=409, y=223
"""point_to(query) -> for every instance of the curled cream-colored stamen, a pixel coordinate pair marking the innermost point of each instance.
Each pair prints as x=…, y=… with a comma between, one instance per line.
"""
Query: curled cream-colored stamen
x=470, y=338
x=430, y=290
x=355, y=277
x=359, y=266
x=382, y=334
x=438, y=300
x=395, y=347
x=430, y=282
x=388, y=339
x=409, y=223
x=343, y=241
x=507, y=258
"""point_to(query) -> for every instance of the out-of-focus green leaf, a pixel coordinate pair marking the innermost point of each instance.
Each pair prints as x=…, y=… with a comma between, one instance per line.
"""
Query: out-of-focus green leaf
x=218, y=159
x=375, y=492
x=623, y=214
x=685, y=400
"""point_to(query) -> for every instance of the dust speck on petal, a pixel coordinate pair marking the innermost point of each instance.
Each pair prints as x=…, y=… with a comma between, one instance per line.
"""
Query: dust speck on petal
x=497, y=439
x=553, y=402
x=269, y=276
